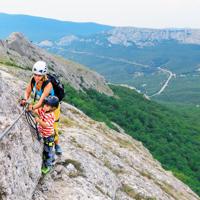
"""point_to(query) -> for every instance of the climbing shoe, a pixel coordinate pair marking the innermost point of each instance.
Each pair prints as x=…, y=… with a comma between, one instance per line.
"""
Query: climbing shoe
x=58, y=149
x=46, y=170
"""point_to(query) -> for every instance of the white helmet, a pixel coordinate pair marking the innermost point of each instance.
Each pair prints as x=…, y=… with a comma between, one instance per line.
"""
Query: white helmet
x=40, y=68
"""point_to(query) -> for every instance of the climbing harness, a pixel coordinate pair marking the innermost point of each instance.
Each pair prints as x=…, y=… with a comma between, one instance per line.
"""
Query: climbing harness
x=6, y=131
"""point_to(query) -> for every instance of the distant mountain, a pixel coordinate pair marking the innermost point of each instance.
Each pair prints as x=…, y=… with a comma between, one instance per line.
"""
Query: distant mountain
x=150, y=37
x=39, y=28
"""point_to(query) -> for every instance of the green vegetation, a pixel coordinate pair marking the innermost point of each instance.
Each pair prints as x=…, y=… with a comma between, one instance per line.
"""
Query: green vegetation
x=131, y=193
x=10, y=63
x=172, y=137
x=76, y=164
x=148, y=83
x=184, y=88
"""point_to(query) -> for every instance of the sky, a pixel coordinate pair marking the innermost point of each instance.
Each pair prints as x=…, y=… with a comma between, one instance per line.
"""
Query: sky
x=137, y=13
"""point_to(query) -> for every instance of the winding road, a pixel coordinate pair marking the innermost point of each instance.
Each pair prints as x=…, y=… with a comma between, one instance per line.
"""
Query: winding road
x=132, y=63
x=166, y=82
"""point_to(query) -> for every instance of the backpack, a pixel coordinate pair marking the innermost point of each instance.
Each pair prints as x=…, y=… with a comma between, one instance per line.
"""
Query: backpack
x=58, y=87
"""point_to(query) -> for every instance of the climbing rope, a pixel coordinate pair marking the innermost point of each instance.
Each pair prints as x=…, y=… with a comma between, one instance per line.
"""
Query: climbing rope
x=30, y=119
x=6, y=131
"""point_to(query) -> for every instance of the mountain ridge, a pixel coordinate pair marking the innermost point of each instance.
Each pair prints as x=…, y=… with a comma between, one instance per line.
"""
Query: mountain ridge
x=40, y=28
x=45, y=26
x=16, y=50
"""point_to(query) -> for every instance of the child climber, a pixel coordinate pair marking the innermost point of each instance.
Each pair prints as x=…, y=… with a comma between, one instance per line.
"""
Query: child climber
x=45, y=120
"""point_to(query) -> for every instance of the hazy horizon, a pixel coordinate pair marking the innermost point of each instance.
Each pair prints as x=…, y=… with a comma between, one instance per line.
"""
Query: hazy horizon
x=99, y=23
x=142, y=14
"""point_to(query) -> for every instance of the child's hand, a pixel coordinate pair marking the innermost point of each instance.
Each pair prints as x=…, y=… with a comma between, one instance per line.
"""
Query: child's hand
x=37, y=119
x=30, y=107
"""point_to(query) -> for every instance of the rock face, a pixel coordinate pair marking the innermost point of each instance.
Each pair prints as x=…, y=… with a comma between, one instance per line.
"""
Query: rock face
x=18, y=51
x=20, y=154
x=148, y=37
x=128, y=36
x=97, y=163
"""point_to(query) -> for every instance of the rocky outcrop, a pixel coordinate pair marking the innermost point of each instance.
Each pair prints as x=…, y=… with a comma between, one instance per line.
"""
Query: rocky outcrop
x=147, y=37
x=19, y=52
x=97, y=163
x=65, y=41
x=20, y=154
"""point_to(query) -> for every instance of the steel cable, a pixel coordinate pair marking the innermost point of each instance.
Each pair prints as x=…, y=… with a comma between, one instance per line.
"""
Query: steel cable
x=5, y=132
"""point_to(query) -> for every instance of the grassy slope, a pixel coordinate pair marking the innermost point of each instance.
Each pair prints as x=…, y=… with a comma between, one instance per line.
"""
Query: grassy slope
x=171, y=137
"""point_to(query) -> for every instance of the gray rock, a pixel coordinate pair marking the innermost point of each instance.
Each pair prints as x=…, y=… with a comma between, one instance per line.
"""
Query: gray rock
x=19, y=163
x=149, y=37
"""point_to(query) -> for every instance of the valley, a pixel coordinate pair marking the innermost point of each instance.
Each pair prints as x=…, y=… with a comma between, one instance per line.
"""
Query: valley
x=139, y=66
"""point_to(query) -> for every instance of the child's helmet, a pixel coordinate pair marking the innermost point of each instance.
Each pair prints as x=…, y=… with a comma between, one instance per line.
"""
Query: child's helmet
x=52, y=101
x=40, y=68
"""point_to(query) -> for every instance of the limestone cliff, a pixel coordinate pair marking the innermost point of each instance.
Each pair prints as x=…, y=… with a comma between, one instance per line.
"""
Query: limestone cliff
x=97, y=163
x=148, y=37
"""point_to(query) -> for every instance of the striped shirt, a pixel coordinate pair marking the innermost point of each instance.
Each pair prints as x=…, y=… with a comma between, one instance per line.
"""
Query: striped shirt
x=49, y=119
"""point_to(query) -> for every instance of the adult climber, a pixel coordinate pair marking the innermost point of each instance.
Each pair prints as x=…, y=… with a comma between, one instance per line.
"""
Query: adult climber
x=37, y=92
